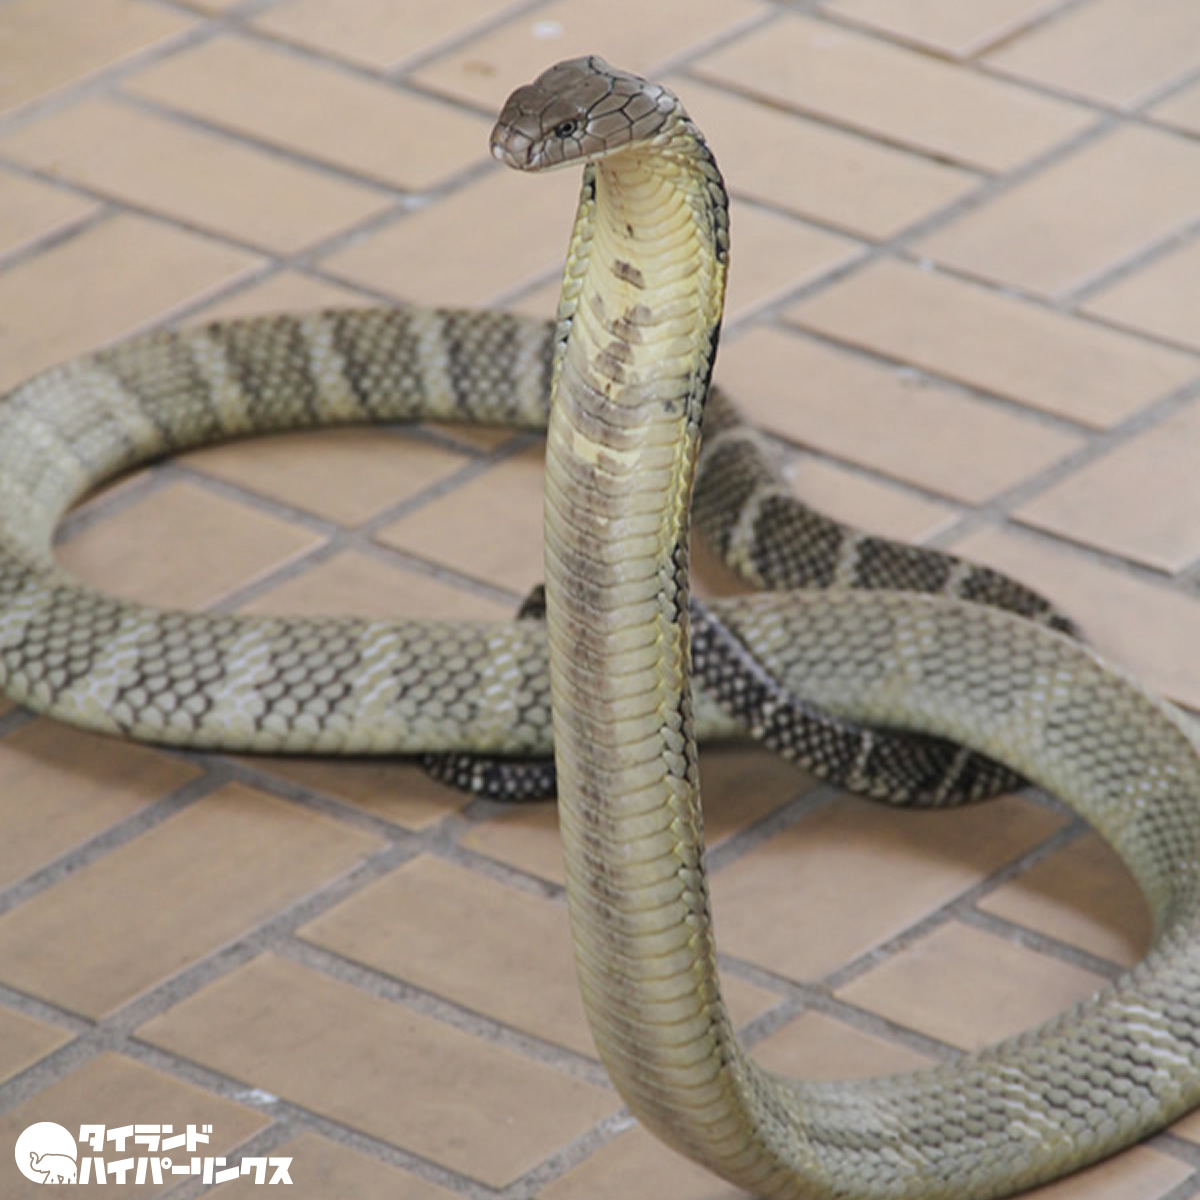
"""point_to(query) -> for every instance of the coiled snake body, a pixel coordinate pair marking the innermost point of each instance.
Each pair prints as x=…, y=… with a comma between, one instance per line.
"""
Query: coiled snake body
x=628, y=365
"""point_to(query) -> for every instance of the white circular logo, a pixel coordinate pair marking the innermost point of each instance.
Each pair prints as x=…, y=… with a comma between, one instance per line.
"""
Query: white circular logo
x=46, y=1153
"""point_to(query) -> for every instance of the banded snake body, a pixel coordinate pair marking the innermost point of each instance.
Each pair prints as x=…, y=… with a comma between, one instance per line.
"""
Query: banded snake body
x=628, y=365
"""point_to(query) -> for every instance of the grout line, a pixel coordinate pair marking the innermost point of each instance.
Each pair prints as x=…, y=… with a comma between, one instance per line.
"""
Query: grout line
x=940, y=916
x=416, y=60
x=103, y=78
x=118, y=494
x=406, y=842
x=812, y=796
x=291, y=1119
x=1018, y=27
x=248, y=139
x=527, y=882
x=1150, y=255
x=561, y=1059
x=43, y=243
x=114, y=836
x=1190, y=1187
x=995, y=401
x=977, y=64
x=999, y=510
x=1040, y=943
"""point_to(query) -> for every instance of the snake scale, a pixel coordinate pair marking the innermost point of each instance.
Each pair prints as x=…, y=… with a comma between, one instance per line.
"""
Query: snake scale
x=627, y=365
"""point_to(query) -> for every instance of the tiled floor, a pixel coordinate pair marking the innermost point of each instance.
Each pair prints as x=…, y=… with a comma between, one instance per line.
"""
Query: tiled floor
x=965, y=298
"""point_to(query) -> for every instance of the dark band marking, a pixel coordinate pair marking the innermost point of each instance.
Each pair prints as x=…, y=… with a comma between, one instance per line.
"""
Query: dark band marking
x=628, y=272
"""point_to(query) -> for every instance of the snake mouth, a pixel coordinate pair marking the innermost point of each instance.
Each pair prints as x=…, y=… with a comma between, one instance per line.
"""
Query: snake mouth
x=511, y=148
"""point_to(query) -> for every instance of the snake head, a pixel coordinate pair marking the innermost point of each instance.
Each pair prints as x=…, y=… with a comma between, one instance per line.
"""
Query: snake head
x=579, y=109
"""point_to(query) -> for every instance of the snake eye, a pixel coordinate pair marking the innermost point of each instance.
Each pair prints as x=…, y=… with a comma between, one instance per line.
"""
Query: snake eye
x=565, y=129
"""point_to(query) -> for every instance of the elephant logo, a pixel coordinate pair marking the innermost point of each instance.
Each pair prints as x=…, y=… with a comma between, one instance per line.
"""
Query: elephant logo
x=47, y=1153
x=53, y=1168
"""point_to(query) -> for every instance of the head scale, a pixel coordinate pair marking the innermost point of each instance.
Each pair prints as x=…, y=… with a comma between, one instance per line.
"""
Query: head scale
x=580, y=108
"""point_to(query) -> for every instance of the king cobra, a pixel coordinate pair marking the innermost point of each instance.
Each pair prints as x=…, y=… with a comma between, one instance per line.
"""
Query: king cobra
x=627, y=367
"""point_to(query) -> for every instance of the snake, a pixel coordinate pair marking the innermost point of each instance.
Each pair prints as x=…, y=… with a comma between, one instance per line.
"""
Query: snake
x=899, y=671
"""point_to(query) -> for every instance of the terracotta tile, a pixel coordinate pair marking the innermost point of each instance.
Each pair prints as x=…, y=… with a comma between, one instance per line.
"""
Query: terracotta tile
x=322, y=1169
x=484, y=945
x=287, y=291
x=1152, y=630
x=345, y=475
x=377, y=33
x=392, y=790
x=30, y=210
x=51, y=43
x=1137, y=1174
x=634, y=36
x=381, y=1068
x=541, y=302
x=813, y=170
x=918, y=430
x=867, y=503
x=113, y=1090
x=466, y=530
x=525, y=836
x=319, y=111
x=894, y=93
x=132, y=919
x=24, y=1040
x=490, y=237
x=229, y=545
x=1181, y=110
x=113, y=490
x=786, y=905
x=947, y=25
x=353, y=584
x=774, y=255
x=638, y=1164
x=1081, y=895
x=203, y=179
x=1162, y=299
x=59, y=787
x=1030, y=354
x=1116, y=502
x=1031, y=235
x=814, y=1046
x=968, y=987
x=70, y=298
x=1114, y=51
x=740, y=785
